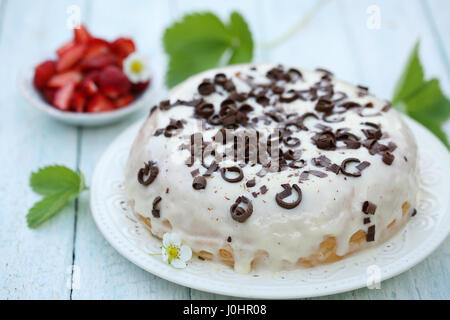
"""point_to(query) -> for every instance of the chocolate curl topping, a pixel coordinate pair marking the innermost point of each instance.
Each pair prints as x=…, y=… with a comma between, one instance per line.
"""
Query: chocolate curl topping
x=204, y=110
x=388, y=158
x=223, y=172
x=369, y=208
x=149, y=169
x=370, y=234
x=287, y=191
x=325, y=140
x=324, y=105
x=206, y=88
x=156, y=212
x=199, y=183
x=240, y=214
x=344, y=167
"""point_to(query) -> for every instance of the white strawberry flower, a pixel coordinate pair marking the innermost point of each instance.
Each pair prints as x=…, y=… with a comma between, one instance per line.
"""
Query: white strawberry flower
x=173, y=252
x=136, y=68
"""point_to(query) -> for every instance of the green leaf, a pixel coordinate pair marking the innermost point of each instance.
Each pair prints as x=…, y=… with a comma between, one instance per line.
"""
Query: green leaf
x=422, y=100
x=47, y=207
x=53, y=179
x=242, y=45
x=199, y=42
x=429, y=103
x=411, y=78
x=59, y=185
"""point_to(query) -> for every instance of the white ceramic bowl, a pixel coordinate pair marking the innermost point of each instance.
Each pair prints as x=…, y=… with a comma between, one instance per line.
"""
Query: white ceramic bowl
x=31, y=94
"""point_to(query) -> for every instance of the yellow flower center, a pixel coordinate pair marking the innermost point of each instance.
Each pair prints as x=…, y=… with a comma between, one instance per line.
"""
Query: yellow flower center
x=172, y=253
x=136, y=66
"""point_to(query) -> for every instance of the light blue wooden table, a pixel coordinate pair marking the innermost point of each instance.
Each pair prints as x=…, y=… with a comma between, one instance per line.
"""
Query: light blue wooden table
x=37, y=264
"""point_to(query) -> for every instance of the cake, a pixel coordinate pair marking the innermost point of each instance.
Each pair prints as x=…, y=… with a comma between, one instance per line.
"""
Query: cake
x=268, y=167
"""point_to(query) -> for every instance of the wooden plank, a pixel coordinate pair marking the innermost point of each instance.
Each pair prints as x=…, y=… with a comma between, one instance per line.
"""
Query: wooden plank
x=35, y=264
x=105, y=274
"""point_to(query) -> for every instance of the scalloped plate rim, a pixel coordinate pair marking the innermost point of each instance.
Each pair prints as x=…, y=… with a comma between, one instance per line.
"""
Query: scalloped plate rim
x=409, y=260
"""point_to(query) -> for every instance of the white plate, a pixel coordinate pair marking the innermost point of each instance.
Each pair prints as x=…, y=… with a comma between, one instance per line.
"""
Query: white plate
x=412, y=244
x=30, y=93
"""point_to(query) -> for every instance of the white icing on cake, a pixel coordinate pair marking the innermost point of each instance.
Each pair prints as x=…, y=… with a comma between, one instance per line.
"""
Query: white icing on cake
x=330, y=207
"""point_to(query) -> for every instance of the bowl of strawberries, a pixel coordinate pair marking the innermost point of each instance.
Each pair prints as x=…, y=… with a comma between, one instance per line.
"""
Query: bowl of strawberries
x=90, y=81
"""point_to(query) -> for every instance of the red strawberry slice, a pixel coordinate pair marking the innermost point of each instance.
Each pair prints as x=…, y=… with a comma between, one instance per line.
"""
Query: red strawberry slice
x=97, y=47
x=99, y=62
x=123, y=46
x=62, y=79
x=99, y=103
x=123, y=101
x=65, y=47
x=89, y=87
x=70, y=57
x=139, y=87
x=81, y=35
x=49, y=94
x=63, y=96
x=113, y=82
x=78, y=101
x=93, y=75
x=43, y=73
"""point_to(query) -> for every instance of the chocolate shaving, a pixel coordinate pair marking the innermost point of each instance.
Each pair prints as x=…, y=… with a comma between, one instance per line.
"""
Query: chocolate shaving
x=156, y=212
x=199, y=183
x=370, y=234
x=211, y=169
x=251, y=183
x=287, y=191
x=388, y=158
x=223, y=172
x=369, y=208
x=366, y=220
x=363, y=165
x=206, y=88
x=292, y=142
x=195, y=173
x=238, y=213
x=149, y=169
x=344, y=167
x=263, y=189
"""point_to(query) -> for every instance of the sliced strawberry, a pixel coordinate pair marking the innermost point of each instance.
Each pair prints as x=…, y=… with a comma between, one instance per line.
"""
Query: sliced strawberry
x=99, y=103
x=89, y=87
x=49, y=94
x=123, y=47
x=99, y=62
x=62, y=79
x=81, y=35
x=63, y=49
x=139, y=87
x=70, y=57
x=78, y=101
x=93, y=75
x=63, y=96
x=43, y=73
x=123, y=101
x=113, y=82
x=96, y=47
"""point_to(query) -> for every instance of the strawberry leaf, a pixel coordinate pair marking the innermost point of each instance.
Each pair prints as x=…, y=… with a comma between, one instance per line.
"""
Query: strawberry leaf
x=201, y=41
x=59, y=185
x=423, y=100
